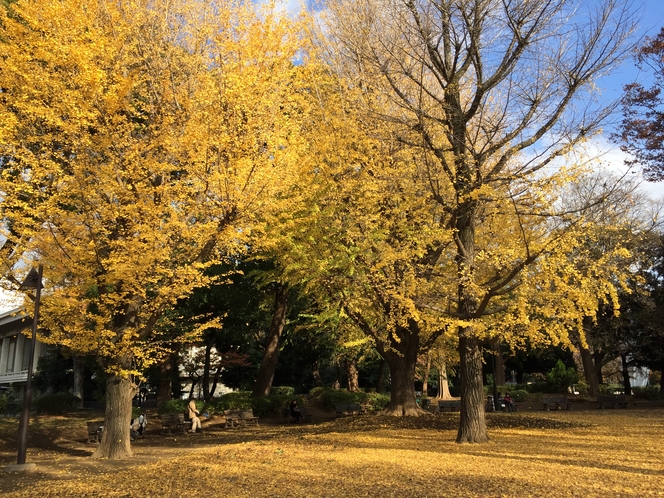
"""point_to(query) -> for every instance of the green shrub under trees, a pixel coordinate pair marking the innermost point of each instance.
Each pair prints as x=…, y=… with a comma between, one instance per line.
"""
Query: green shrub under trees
x=56, y=404
x=650, y=393
x=327, y=397
x=560, y=377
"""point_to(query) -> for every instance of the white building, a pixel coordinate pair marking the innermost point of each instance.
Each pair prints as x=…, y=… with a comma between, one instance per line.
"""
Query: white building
x=15, y=349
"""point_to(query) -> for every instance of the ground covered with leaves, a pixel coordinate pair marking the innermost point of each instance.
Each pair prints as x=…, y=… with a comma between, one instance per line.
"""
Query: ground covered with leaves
x=589, y=453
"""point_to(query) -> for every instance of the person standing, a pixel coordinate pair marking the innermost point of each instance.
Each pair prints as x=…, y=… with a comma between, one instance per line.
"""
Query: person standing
x=193, y=416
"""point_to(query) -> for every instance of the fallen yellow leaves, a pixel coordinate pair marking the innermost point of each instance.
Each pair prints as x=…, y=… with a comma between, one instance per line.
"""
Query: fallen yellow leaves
x=561, y=454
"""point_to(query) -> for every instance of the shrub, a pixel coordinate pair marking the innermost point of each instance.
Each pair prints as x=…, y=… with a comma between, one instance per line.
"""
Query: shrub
x=648, y=392
x=56, y=404
x=560, y=377
x=172, y=407
x=327, y=397
x=282, y=391
x=518, y=394
x=3, y=403
x=610, y=388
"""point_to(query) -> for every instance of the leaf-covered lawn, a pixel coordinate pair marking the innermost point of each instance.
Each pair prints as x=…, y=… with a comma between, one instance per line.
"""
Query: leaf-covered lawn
x=594, y=453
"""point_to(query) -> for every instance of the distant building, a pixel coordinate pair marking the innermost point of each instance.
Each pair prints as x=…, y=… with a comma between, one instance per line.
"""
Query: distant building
x=15, y=349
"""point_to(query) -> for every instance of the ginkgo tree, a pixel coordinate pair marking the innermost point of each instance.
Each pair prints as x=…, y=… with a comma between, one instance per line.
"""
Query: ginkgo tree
x=139, y=141
x=487, y=99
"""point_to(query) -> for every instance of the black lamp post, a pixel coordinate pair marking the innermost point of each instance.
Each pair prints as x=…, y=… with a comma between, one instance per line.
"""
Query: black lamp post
x=32, y=281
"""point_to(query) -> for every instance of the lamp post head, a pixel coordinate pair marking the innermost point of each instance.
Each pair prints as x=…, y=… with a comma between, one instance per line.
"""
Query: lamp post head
x=32, y=281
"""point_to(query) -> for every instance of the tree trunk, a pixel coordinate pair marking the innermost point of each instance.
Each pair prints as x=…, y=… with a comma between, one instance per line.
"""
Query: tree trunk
x=598, y=359
x=380, y=381
x=115, y=442
x=215, y=381
x=78, y=379
x=589, y=371
x=402, y=364
x=353, y=375
x=268, y=366
x=194, y=381
x=425, y=376
x=318, y=381
x=499, y=362
x=443, y=386
x=627, y=386
x=472, y=424
x=165, y=385
x=206, y=372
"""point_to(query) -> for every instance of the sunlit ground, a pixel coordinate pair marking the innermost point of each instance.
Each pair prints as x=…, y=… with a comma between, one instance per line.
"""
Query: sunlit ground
x=594, y=453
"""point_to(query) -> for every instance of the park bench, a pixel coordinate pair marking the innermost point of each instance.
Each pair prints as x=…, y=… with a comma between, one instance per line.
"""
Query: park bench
x=615, y=400
x=451, y=404
x=174, y=421
x=557, y=403
x=240, y=417
x=95, y=430
x=348, y=409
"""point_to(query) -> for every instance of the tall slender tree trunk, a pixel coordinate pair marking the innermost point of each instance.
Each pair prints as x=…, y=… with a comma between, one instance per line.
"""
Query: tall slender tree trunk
x=443, y=385
x=78, y=379
x=215, y=381
x=472, y=423
x=598, y=359
x=352, y=374
x=165, y=382
x=627, y=386
x=499, y=362
x=380, y=381
x=425, y=376
x=206, y=372
x=268, y=366
x=318, y=381
x=402, y=364
x=115, y=441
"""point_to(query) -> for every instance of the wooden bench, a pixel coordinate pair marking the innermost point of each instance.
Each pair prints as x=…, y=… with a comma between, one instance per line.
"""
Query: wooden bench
x=451, y=404
x=174, y=421
x=348, y=409
x=557, y=403
x=95, y=430
x=240, y=417
x=615, y=400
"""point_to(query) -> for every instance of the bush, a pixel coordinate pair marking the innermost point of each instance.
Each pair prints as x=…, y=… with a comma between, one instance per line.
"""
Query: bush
x=327, y=397
x=650, y=393
x=610, y=388
x=518, y=394
x=56, y=404
x=172, y=407
x=3, y=403
x=561, y=377
x=282, y=391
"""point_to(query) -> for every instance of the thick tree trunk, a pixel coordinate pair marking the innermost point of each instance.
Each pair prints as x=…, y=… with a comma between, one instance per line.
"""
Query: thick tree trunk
x=402, y=372
x=598, y=359
x=380, y=381
x=165, y=385
x=115, y=442
x=268, y=366
x=627, y=386
x=443, y=386
x=78, y=379
x=353, y=375
x=499, y=362
x=589, y=371
x=472, y=424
